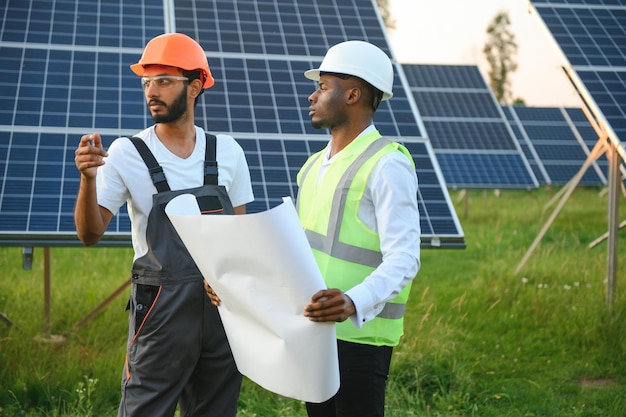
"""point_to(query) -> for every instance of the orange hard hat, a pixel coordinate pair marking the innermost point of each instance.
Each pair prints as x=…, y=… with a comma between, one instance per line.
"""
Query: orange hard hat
x=175, y=50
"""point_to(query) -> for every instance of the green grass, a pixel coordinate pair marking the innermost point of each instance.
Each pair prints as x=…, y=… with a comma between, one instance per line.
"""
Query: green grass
x=480, y=340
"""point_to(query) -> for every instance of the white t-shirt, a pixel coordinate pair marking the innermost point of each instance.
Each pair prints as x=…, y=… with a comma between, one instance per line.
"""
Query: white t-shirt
x=124, y=178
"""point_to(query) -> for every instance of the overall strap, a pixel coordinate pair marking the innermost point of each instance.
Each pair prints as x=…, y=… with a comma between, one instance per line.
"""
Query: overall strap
x=210, y=160
x=156, y=171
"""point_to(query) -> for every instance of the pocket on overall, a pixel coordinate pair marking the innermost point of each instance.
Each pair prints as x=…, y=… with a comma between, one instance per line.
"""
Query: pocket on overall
x=145, y=297
x=209, y=204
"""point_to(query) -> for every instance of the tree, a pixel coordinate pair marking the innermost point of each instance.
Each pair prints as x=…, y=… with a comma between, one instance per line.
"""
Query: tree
x=383, y=7
x=500, y=50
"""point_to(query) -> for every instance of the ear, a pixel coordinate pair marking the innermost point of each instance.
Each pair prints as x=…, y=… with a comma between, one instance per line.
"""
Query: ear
x=195, y=88
x=353, y=95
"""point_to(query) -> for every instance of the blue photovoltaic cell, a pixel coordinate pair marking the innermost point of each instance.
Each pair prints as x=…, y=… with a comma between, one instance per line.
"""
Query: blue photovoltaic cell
x=64, y=72
x=284, y=28
x=589, y=33
x=592, y=36
x=608, y=90
x=470, y=136
x=466, y=170
x=275, y=163
x=442, y=77
x=468, y=131
x=557, y=141
x=39, y=183
x=59, y=89
x=269, y=96
x=586, y=131
x=93, y=23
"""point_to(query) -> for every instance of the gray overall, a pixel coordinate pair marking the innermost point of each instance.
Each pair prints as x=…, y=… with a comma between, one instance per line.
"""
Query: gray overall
x=177, y=350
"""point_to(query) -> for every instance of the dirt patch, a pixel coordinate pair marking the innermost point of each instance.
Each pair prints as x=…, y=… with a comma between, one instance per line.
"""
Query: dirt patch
x=600, y=382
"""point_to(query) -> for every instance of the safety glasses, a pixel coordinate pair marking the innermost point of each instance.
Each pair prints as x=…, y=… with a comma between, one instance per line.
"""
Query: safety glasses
x=161, y=81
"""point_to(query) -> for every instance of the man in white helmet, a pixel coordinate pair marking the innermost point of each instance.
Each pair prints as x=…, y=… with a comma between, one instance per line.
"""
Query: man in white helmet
x=357, y=202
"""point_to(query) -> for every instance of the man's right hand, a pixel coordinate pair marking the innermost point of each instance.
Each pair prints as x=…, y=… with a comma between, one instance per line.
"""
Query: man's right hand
x=89, y=154
x=90, y=218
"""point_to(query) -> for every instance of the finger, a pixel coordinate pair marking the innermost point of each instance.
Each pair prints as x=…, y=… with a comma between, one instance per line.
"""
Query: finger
x=86, y=139
x=86, y=158
x=338, y=317
x=216, y=301
x=325, y=294
x=91, y=145
x=323, y=312
x=332, y=302
x=322, y=304
x=317, y=295
x=96, y=140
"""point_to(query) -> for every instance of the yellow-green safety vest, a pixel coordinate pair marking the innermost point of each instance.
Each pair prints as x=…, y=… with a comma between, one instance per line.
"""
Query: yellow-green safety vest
x=345, y=249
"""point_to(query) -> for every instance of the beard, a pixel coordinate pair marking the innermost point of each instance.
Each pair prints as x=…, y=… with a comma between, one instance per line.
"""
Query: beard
x=317, y=124
x=176, y=110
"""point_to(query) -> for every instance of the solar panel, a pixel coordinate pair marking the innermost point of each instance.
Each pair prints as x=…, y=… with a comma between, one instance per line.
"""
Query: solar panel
x=64, y=72
x=557, y=141
x=470, y=135
x=592, y=37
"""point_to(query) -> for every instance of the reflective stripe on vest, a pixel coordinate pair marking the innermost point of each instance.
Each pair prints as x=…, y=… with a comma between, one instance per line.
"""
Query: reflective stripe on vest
x=330, y=244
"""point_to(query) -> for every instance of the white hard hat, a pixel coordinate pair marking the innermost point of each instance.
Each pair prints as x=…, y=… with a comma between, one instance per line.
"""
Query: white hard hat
x=360, y=59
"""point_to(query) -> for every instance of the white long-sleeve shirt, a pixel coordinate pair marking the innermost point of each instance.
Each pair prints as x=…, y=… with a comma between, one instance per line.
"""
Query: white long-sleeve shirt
x=389, y=207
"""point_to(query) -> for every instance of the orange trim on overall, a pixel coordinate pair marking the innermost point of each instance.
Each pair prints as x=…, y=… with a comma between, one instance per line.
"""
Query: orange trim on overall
x=139, y=330
x=211, y=211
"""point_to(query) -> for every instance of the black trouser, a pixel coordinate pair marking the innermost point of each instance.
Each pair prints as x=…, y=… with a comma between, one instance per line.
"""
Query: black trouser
x=363, y=371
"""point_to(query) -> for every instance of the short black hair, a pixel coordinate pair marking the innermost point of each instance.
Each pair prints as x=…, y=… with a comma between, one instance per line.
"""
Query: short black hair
x=194, y=75
x=336, y=74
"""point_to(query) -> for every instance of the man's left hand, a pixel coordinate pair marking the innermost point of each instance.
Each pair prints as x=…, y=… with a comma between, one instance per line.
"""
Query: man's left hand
x=215, y=300
x=329, y=305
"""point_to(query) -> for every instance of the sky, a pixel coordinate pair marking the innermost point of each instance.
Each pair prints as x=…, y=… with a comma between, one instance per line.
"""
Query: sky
x=454, y=32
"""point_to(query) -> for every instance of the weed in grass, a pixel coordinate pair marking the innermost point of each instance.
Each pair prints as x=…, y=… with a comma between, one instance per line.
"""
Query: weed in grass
x=78, y=403
x=84, y=393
